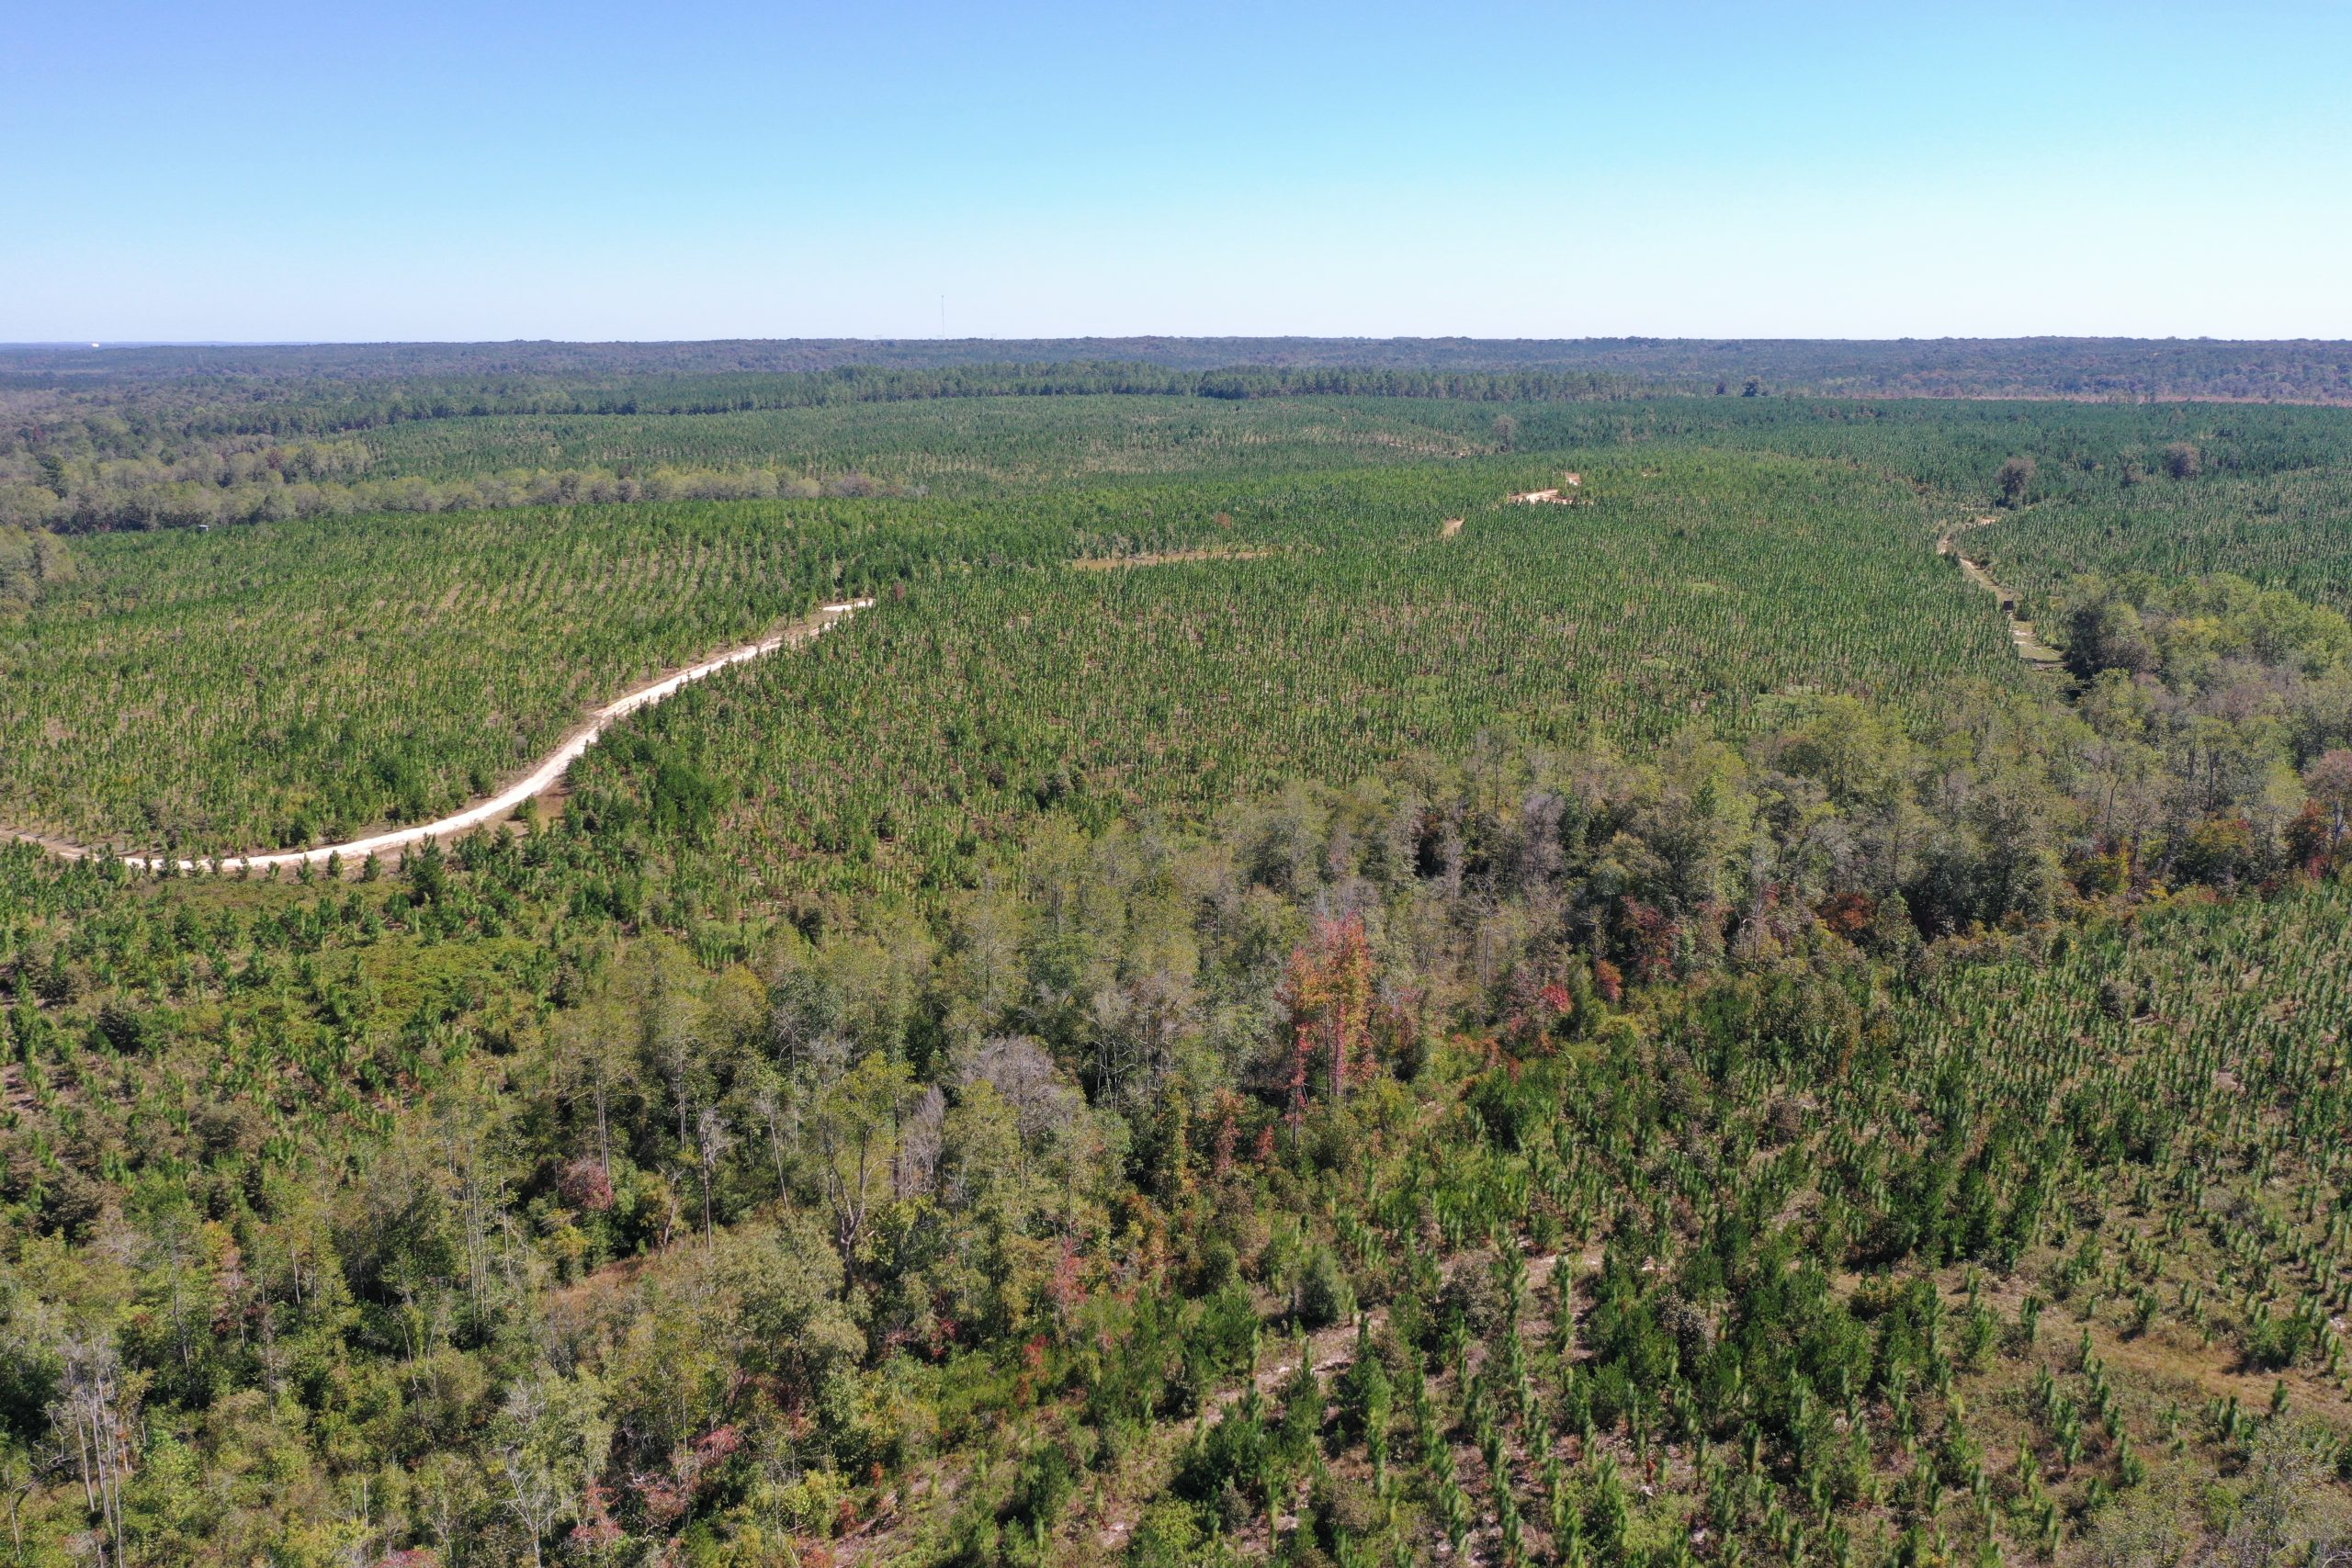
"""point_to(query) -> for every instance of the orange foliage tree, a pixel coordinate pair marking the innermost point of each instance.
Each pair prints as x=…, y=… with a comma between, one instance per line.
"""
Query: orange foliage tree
x=1328, y=997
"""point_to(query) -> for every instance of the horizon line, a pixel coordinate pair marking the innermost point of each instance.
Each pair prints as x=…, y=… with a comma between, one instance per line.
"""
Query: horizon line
x=86, y=345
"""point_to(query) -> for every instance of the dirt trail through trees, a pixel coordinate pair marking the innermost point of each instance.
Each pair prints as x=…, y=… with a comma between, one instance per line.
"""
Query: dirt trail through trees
x=538, y=781
x=550, y=770
x=2029, y=647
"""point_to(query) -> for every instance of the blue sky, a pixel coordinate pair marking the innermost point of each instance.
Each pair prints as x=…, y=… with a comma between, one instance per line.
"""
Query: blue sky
x=199, y=169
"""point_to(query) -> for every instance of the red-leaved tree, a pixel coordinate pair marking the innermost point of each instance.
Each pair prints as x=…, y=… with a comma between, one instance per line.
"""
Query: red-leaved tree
x=1328, y=997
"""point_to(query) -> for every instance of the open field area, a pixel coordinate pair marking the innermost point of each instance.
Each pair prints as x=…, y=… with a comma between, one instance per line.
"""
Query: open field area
x=1269, y=1001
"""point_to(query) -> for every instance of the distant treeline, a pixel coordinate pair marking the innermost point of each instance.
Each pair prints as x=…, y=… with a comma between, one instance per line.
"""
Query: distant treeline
x=126, y=419
x=160, y=436
x=2299, y=370
x=182, y=453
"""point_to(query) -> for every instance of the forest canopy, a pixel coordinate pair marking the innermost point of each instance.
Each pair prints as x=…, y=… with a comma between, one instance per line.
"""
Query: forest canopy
x=1439, y=960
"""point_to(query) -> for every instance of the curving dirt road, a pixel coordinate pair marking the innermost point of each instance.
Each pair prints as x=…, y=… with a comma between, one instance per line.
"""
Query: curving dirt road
x=538, y=781
x=552, y=768
x=2029, y=647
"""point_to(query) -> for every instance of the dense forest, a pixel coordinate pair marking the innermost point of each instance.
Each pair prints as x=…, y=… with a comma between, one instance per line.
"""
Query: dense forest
x=206, y=450
x=2209, y=368
x=1507, y=972
x=252, y=436
x=144, y=437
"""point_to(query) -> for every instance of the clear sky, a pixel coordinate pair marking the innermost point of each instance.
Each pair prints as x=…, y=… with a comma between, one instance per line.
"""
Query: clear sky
x=480, y=169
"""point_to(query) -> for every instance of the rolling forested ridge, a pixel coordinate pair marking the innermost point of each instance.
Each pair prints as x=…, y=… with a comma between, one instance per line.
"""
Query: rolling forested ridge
x=1370, y=952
